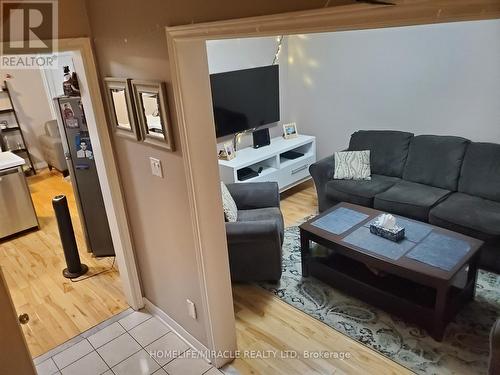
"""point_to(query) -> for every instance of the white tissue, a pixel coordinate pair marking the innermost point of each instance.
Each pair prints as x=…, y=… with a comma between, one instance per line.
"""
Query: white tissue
x=387, y=221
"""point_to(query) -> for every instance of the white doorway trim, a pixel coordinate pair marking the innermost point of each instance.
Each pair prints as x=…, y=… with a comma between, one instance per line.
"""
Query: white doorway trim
x=106, y=165
x=48, y=80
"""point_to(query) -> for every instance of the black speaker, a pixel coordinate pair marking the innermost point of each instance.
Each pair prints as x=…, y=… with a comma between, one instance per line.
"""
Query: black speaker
x=75, y=267
x=261, y=138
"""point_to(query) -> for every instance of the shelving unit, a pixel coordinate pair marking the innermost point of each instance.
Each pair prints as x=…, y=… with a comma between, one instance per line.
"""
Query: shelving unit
x=275, y=167
x=21, y=147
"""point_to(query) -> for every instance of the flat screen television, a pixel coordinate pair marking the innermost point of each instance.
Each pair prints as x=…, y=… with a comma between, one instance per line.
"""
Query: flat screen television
x=245, y=99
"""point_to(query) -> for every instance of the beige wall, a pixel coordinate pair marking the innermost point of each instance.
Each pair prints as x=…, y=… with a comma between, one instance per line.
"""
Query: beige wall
x=73, y=19
x=129, y=39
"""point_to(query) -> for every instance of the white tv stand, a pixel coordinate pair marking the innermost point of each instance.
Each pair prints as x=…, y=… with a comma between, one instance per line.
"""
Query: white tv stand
x=286, y=172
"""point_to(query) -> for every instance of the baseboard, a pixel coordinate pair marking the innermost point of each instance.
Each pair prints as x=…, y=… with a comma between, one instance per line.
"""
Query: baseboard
x=176, y=327
x=307, y=178
x=40, y=165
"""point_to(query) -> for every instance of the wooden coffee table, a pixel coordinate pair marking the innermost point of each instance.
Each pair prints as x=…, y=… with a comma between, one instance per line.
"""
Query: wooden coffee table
x=426, y=278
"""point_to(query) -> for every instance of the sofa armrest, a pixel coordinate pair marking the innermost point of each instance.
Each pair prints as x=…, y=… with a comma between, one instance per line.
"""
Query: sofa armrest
x=494, y=365
x=50, y=141
x=252, y=232
x=322, y=172
x=254, y=250
x=252, y=195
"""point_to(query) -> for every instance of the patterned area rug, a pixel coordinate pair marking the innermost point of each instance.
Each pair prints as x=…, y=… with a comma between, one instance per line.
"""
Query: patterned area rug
x=464, y=349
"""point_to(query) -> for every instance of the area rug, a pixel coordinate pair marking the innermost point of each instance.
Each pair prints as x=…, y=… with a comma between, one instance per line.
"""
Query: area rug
x=464, y=349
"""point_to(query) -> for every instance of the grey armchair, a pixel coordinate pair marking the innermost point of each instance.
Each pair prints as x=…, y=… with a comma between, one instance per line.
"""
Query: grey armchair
x=255, y=240
x=52, y=148
x=494, y=365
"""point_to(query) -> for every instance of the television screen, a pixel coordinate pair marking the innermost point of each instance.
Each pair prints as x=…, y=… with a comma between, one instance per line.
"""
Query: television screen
x=245, y=99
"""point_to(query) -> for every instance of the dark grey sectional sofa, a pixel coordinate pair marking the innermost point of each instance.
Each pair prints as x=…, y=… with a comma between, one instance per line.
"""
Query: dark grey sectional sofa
x=448, y=181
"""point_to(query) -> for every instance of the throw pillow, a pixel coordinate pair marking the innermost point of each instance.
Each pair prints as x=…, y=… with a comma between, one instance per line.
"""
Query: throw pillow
x=228, y=204
x=352, y=165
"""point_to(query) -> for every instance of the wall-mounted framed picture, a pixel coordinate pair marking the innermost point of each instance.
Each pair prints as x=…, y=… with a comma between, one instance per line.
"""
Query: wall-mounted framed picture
x=150, y=99
x=290, y=130
x=121, y=107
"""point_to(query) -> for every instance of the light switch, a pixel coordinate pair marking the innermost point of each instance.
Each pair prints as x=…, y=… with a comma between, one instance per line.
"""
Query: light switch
x=156, y=169
x=191, y=309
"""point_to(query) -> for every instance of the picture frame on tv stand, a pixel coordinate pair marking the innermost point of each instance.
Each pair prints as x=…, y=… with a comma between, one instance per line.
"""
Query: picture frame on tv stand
x=290, y=130
x=261, y=138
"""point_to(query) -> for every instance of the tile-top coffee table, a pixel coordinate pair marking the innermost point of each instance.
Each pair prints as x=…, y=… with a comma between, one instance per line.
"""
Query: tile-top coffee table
x=425, y=278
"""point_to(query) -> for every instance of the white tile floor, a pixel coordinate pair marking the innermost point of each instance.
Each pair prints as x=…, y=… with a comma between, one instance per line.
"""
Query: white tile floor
x=122, y=346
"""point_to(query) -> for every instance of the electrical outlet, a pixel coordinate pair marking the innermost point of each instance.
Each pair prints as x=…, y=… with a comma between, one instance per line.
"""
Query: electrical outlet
x=191, y=309
x=156, y=169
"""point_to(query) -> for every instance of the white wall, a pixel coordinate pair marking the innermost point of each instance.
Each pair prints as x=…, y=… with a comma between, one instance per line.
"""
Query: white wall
x=236, y=54
x=429, y=79
x=32, y=92
x=434, y=79
x=32, y=108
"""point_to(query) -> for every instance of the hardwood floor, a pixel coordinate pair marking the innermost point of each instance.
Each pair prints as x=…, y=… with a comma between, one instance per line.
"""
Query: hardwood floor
x=264, y=322
x=60, y=309
x=298, y=203
x=32, y=263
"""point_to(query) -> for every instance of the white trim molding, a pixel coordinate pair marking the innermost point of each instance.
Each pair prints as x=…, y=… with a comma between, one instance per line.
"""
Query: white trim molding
x=177, y=328
x=106, y=165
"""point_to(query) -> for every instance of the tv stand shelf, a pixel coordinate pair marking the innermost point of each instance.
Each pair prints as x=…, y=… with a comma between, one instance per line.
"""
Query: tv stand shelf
x=275, y=167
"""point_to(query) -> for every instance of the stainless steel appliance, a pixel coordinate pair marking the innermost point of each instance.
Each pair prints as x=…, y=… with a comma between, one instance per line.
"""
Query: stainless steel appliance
x=17, y=212
x=83, y=173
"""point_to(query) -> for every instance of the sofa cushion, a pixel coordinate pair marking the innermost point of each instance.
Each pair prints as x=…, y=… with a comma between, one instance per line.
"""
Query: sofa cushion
x=228, y=204
x=410, y=199
x=359, y=192
x=268, y=213
x=473, y=216
x=481, y=171
x=388, y=149
x=435, y=160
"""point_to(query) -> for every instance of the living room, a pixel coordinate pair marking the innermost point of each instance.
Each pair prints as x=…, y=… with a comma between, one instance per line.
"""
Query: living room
x=398, y=85
x=172, y=248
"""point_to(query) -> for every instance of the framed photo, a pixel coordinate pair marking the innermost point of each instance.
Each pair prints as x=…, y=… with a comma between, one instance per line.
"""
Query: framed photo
x=83, y=147
x=150, y=98
x=229, y=150
x=121, y=108
x=290, y=130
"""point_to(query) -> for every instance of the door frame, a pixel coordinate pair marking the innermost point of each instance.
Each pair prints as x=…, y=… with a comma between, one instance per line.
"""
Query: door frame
x=114, y=201
x=194, y=117
x=107, y=167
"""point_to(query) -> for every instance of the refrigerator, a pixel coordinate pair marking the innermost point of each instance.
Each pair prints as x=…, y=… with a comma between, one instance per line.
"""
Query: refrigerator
x=83, y=173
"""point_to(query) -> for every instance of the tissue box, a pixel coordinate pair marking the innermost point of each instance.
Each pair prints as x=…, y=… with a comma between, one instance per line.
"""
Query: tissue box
x=397, y=234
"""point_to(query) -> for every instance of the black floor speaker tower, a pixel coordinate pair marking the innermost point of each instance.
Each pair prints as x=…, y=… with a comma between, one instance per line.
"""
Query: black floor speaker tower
x=75, y=267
